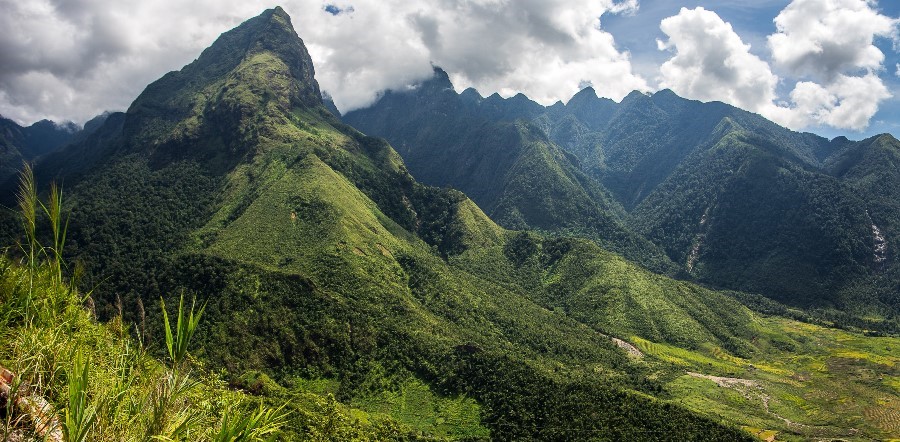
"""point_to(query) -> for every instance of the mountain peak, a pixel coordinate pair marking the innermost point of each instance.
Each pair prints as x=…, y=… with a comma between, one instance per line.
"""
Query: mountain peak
x=635, y=97
x=587, y=92
x=439, y=80
x=270, y=32
x=260, y=62
x=472, y=93
x=666, y=94
x=583, y=96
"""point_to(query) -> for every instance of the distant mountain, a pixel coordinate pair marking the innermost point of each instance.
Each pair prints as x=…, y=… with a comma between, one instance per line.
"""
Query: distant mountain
x=20, y=144
x=321, y=258
x=487, y=148
x=11, y=144
x=739, y=201
x=733, y=199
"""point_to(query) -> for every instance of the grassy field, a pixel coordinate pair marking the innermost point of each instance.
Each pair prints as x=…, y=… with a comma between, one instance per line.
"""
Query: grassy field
x=804, y=382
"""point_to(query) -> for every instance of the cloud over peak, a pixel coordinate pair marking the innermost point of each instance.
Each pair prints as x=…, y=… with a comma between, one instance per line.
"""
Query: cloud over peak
x=544, y=48
x=711, y=62
x=821, y=65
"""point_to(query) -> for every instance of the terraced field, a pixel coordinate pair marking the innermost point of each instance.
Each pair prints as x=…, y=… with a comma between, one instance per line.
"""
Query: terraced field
x=804, y=382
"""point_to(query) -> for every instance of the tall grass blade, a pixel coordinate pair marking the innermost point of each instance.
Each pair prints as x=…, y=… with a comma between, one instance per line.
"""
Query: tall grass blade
x=250, y=427
x=28, y=202
x=79, y=416
x=177, y=344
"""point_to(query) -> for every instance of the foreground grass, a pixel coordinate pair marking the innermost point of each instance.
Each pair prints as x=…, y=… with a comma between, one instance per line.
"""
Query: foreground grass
x=104, y=385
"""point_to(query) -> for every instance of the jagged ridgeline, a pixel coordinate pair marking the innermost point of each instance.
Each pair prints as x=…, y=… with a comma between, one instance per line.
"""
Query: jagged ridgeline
x=326, y=265
x=490, y=149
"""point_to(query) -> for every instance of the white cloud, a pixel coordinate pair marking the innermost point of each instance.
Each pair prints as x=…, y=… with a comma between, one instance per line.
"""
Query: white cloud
x=824, y=39
x=831, y=43
x=847, y=102
x=539, y=47
x=711, y=62
x=71, y=59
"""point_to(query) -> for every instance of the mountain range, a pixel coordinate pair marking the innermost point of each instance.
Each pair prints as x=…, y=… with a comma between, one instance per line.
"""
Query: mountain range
x=724, y=196
x=511, y=271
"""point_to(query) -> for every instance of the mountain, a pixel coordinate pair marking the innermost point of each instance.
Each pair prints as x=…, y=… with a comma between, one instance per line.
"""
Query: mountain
x=19, y=144
x=741, y=202
x=321, y=259
x=328, y=271
x=486, y=148
x=732, y=199
x=11, y=143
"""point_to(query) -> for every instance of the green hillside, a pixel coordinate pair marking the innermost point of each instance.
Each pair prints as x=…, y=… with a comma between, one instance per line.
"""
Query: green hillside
x=732, y=199
x=71, y=378
x=487, y=148
x=748, y=204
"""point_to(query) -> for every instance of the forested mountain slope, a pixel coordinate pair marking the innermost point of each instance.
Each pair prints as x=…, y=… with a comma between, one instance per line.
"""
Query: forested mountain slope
x=324, y=262
x=733, y=199
x=487, y=148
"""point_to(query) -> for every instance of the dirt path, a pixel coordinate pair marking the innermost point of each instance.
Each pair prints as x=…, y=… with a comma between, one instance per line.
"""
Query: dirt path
x=727, y=382
x=749, y=388
x=632, y=350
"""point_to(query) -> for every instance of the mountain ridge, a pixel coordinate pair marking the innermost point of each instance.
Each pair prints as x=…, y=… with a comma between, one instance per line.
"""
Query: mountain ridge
x=648, y=155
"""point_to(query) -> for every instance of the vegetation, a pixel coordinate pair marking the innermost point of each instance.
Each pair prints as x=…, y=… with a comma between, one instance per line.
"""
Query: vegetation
x=724, y=196
x=106, y=385
x=510, y=168
x=339, y=299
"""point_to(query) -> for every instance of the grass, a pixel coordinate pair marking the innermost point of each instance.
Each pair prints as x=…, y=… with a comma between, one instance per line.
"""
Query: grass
x=416, y=405
x=829, y=382
x=679, y=324
x=808, y=380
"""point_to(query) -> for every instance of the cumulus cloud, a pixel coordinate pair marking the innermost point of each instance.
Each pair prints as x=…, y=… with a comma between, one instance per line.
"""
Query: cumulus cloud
x=831, y=42
x=72, y=59
x=826, y=46
x=847, y=102
x=542, y=48
x=711, y=62
x=75, y=58
x=824, y=39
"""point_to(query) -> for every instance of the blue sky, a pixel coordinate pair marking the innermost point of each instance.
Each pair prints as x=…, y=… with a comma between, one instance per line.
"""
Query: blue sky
x=73, y=59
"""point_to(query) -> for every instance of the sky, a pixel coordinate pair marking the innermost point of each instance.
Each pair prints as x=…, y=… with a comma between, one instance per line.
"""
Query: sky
x=826, y=66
